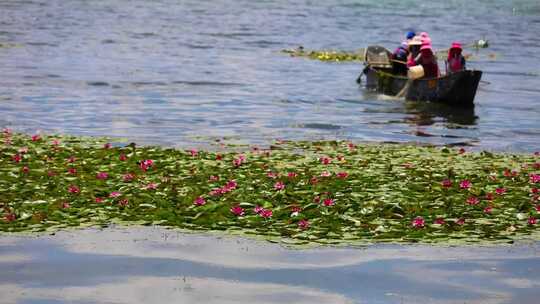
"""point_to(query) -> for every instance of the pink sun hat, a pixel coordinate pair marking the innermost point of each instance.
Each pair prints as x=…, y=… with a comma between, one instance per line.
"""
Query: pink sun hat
x=456, y=45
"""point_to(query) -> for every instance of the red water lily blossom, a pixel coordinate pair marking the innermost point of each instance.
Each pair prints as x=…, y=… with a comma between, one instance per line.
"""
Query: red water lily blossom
x=508, y=173
x=407, y=165
x=489, y=196
x=237, y=210
x=351, y=146
x=65, y=205
x=439, y=221
x=16, y=158
x=537, y=208
x=128, y=177
x=199, y=201
x=10, y=217
x=488, y=209
x=107, y=146
x=292, y=174
x=303, y=224
x=98, y=200
x=36, y=137
x=7, y=132
x=418, y=222
x=534, y=178
x=122, y=157
x=115, y=194
x=23, y=150
x=213, y=178
x=123, y=202
x=51, y=173
x=258, y=209
x=461, y=150
x=325, y=160
x=151, y=186
x=532, y=221
x=239, y=160
x=55, y=142
x=446, y=183
x=266, y=213
x=272, y=175
x=317, y=199
x=342, y=175
x=146, y=164
x=102, y=175
x=472, y=200
x=193, y=152
x=465, y=184
x=500, y=191
x=536, y=166
x=74, y=189
x=219, y=157
x=71, y=159
x=460, y=221
x=25, y=169
x=295, y=210
x=279, y=186
x=72, y=171
x=313, y=180
x=328, y=202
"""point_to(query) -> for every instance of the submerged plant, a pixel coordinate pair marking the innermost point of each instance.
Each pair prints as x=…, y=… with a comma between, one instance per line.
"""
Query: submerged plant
x=300, y=192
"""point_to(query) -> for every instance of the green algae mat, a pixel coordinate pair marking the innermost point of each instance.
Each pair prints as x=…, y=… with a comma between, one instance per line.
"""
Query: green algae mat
x=332, y=192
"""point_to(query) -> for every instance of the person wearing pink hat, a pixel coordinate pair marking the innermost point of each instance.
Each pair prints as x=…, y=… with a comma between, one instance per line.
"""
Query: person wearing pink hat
x=455, y=61
x=424, y=37
x=428, y=61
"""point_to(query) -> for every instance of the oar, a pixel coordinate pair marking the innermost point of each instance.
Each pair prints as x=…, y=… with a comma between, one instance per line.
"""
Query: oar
x=405, y=88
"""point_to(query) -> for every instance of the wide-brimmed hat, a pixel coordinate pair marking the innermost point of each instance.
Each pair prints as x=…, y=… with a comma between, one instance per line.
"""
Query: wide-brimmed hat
x=415, y=41
x=426, y=46
x=456, y=45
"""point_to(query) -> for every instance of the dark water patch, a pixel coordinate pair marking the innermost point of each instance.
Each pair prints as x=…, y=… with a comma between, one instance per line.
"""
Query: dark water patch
x=233, y=35
x=320, y=126
x=264, y=43
x=49, y=44
x=207, y=83
x=98, y=83
x=108, y=41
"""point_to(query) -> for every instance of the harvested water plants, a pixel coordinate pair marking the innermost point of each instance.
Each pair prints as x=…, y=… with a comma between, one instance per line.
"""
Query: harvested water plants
x=328, y=192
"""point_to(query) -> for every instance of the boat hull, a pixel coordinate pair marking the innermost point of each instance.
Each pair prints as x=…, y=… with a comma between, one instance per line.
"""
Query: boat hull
x=456, y=89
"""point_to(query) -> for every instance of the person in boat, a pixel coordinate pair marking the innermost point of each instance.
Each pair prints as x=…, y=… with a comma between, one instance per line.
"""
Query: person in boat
x=428, y=61
x=414, y=51
x=455, y=61
x=399, y=59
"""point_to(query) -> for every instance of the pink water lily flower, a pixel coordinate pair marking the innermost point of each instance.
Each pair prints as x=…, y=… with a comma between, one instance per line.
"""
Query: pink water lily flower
x=258, y=209
x=146, y=164
x=329, y=202
x=439, y=221
x=460, y=221
x=128, y=177
x=102, y=175
x=472, y=200
x=446, y=183
x=303, y=224
x=122, y=157
x=237, y=210
x=465, y=184
x=25, y=169
x=16, y=158
x=266, y=213
x=537, y=208
x=219, y=157
x=72, y=171
x=151, y=186
x=534, y=178
x=115, y=194
x=272, y=175
x=194, y=152
x=65, y=205
x=488, y=209
x=71, y=159
x=10, y=217
x=23, y=150
x=74, y=189
x=199, y=201
x=279, y=186
x=123, y=202
x=326, y=174
x=351, y=146
x=342, y=175
x=51, y=173
x=532, y=221
x=213, y=178
x=98, y=200
x=500, y=191
x=36, y=137
x=418, y=222
x=292, y=174
x=313, y=180
x=461, y=150
x=325, y=160
x=295, y=210
x=232, y=184
x=107, y=146
x=317, y=199
x=55, y=142
x=489, y=196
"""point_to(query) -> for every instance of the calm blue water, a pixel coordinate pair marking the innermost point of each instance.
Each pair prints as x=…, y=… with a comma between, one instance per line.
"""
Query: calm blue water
x=177, y=73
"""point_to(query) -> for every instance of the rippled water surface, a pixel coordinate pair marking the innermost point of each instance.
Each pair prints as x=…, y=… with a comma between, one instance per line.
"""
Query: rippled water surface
x=178, y=72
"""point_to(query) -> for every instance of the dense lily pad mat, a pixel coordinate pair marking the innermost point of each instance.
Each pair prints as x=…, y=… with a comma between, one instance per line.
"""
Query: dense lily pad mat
x=301, y=192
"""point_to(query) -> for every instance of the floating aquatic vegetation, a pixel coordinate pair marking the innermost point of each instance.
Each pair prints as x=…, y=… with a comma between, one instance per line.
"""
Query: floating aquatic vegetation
x=359, y=55
x=332, y=192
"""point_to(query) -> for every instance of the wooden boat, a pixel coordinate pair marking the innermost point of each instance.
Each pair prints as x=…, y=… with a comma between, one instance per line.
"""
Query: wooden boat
x=454, y=89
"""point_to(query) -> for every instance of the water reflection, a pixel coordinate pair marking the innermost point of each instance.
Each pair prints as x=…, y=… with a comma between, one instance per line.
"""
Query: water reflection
x=157, y=265
x=427, y=113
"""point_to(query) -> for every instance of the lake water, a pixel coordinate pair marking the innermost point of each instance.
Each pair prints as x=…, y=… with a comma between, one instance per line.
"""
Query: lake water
x=155, y=265
x=178, y=73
